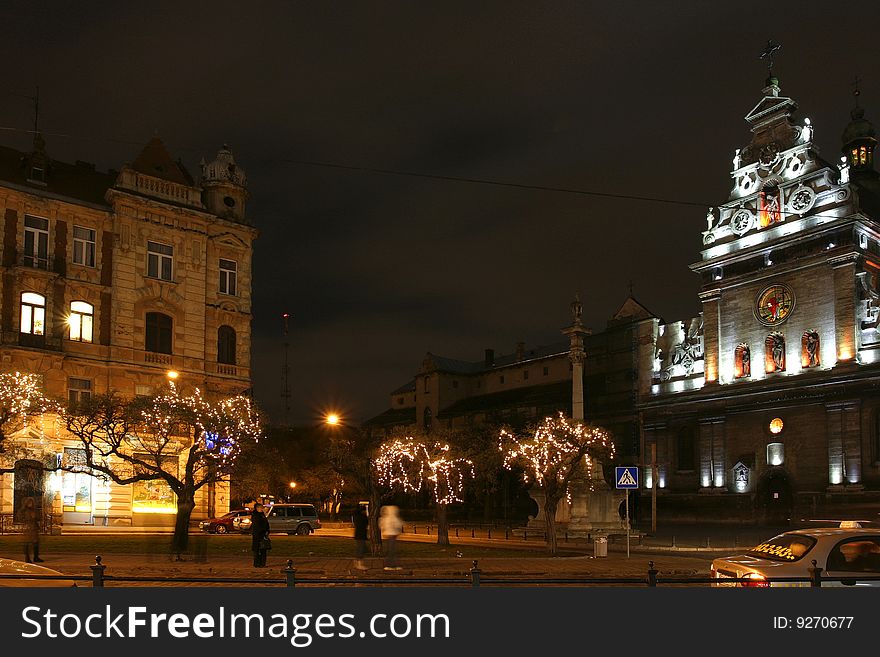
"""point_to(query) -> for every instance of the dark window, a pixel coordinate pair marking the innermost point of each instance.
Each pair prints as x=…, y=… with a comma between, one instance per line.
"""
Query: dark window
x=546, y=371
x=686, y=449
x=454, y=384
x=226, y=345
x=36, y=242
x=228, y=277
x=158, y=333
x=525, y=375
x=84, y=246
x=427, y=419
x=501, y=380
x=160, y=258
x=78, y=390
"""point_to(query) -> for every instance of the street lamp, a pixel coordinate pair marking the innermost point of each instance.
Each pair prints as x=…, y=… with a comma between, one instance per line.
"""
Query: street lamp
x=172, y=375
x=332, y=419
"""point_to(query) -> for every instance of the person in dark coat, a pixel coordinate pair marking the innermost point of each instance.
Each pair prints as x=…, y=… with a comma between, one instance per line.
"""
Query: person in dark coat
x=31, y=522
x=259, y=532
x=360, y=522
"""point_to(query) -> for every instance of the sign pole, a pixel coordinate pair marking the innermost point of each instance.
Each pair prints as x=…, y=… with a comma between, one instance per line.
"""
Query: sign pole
x=627, y=523
x=654, y=485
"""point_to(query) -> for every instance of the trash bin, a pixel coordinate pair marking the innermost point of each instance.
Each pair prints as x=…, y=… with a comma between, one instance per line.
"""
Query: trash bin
x=600, y=546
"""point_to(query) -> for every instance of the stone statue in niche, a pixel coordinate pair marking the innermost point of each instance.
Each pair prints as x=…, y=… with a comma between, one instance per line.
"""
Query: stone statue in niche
x=775, y=352
x=811, y=349
x=745, y=361
x=710, y=218
x=737, y=159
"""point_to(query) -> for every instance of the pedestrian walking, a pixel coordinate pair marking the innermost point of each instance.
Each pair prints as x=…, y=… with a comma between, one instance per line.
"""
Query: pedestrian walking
x=259, y=536
x=360, y=522
x=31, y=522
x=391, y=526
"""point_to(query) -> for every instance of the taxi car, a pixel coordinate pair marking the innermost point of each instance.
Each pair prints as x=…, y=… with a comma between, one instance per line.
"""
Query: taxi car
x=847, y=552
x=13, y=567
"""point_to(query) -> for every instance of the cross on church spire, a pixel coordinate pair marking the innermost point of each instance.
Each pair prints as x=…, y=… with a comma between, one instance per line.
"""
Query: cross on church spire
x=769, y=51
x=856, y=84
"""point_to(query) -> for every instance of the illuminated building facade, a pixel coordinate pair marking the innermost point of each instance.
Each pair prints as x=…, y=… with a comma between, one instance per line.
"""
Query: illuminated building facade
x=770, y=398
x=109, y=282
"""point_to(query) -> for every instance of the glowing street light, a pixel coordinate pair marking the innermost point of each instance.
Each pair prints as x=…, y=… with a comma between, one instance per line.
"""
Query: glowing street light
x=292, y=484
x=332, y=419
x=172, y=375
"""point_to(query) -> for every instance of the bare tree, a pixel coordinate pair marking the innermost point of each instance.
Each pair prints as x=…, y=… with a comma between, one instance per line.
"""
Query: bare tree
x=549, y=457
x=409, y=463
x=184, y=441
x=351, y=452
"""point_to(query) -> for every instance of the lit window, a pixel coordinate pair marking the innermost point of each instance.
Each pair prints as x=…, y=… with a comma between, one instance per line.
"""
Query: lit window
x=83, y=246
x=228, y=275
x=160, y=258
x=33, y=313
x=36, y=242
x=775, y=454
x=81, y=320
x=78, y=390
x=776, y=426
x=863, y=155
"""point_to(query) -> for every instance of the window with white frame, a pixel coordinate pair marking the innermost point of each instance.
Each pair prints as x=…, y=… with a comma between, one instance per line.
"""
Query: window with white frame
x=83, y=246
x=33, y=313
x=36, y=242
x=228, y=275
x=81, y=320
x=78, y=390
x=160, y=258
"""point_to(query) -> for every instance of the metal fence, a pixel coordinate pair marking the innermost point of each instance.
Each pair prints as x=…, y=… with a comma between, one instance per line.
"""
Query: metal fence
x=49, y=524
x=474, y=579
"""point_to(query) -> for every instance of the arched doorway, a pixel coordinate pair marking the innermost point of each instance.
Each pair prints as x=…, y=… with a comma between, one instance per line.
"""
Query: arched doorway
x=774, y=501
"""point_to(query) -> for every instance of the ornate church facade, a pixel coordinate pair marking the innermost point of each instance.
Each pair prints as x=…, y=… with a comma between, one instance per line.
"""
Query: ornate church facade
x=767, y=405
x=114, y=282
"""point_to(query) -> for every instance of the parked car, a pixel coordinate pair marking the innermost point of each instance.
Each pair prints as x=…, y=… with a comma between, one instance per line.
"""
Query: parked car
x=848, y=552
x=242, y=524
x=299, y=519
x=223, y=524
x=13, y=567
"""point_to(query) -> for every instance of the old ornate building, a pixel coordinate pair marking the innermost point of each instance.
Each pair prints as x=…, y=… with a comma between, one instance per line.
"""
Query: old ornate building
x=768, y=405
x=109, y=282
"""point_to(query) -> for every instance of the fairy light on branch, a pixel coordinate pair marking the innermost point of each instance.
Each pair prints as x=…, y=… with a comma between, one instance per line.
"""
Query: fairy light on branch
x=410, y=464
x=553, y=449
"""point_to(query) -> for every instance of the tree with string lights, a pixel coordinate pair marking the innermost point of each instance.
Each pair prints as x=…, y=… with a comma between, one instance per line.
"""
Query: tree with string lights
x=550, y=456
x=410, y=463
x=22, y=402
x=185, y=441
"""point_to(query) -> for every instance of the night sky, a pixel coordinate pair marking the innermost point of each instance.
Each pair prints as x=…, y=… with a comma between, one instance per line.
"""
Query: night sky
x=626, y=98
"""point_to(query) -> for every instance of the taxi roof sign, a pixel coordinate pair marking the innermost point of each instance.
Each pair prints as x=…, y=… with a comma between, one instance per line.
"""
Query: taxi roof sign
x=626, y=477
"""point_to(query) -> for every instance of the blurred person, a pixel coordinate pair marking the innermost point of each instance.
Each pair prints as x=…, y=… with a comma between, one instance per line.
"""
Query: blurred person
x=391, y=526
x=361, y=523
x=31, y=522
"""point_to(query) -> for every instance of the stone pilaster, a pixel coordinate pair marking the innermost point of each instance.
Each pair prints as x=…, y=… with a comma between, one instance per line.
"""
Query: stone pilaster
x=711, y=333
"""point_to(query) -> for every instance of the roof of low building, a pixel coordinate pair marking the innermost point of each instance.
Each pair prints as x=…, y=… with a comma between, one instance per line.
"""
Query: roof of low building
x=527, y=396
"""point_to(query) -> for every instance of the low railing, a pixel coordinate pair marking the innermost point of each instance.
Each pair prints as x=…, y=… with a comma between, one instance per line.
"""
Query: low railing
x=48, y=525
x=474, y=579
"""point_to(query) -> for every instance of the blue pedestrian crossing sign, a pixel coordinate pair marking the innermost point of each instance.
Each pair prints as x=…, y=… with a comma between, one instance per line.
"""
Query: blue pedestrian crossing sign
x=627, y=477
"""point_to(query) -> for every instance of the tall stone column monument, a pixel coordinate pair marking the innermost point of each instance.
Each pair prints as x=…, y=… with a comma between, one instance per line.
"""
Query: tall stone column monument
x=594, y=503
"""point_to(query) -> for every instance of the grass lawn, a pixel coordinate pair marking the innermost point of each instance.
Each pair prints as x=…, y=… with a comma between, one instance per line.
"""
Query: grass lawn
x=232, y=545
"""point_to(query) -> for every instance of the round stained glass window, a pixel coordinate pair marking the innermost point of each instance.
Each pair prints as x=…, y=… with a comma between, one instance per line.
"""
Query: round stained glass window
x=774, y=304
x=776, y=425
